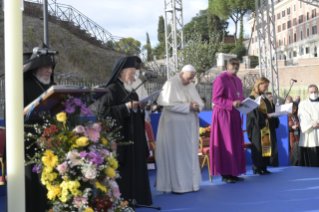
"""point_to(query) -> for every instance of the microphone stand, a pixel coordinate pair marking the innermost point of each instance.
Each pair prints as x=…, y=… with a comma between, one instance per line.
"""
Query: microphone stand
x=289, y=91
x=134, y=202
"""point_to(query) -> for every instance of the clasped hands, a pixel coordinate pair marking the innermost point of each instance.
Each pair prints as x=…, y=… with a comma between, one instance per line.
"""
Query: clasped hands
x=136, y=104
x=194, y=106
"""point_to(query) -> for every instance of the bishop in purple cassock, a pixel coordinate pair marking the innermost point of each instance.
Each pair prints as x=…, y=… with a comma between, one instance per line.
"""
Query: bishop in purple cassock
x=227, y=156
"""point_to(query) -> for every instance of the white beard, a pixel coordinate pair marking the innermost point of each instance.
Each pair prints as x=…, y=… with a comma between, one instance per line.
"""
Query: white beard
x=128, y=86
x=46, y=82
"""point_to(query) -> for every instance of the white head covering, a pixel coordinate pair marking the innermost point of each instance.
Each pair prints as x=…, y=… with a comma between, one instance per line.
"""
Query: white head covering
x=188, y=68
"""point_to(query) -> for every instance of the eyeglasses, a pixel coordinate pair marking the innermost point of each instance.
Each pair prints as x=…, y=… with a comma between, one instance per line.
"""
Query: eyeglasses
x=233, y=64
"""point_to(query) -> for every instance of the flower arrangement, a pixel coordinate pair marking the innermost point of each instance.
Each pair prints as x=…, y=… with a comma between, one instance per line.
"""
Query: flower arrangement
x=77, y=160
x=204, y=131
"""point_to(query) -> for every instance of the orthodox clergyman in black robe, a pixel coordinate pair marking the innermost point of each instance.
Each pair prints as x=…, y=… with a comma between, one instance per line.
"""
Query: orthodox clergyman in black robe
x=132, y=164
x=261, y=130
x=37, y=78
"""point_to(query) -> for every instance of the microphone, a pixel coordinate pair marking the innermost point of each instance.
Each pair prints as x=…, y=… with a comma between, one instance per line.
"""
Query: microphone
x=294, y=80
x=38, y=51
x=145, y=74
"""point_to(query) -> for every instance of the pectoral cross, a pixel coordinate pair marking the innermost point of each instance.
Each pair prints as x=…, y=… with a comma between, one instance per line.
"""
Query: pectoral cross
x=238, y=94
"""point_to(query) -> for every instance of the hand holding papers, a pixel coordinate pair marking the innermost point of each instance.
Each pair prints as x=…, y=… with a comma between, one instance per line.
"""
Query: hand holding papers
x=248, y=105
x=282, y=110
x=148, y=98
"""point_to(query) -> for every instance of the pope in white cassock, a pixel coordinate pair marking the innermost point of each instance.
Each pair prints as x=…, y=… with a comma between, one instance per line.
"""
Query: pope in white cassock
x=178, y=135
x=308, y=115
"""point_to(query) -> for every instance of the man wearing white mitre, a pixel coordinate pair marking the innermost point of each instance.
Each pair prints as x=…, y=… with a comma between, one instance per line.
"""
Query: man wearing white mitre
x=308, y=114
x=178, y=135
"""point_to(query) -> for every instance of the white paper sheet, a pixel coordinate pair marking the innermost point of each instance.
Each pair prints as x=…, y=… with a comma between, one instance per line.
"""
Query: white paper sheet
x=282, y=110
x=249, y=105
x=148, y=98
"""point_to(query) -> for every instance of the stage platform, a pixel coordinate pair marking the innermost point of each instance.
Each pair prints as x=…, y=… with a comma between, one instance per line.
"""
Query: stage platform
x=293, y=189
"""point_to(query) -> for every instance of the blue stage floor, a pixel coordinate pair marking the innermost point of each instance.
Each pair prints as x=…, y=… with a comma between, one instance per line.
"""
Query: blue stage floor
x=293, y=189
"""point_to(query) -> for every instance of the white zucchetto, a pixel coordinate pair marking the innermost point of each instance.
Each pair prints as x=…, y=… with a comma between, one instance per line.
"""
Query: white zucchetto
x=188, y=68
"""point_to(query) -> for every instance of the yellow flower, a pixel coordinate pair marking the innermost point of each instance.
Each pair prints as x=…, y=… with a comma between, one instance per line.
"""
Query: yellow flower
x=53, y=192
x=64, y=199
x=65, y=192
x=53, y=176
x=82, y=141
x=50, y=159
x=100, y=186
x=61, y=117
x=47, y=170
x=113, y=162
x=110, y=172
x=89, y=210
x=104, y=141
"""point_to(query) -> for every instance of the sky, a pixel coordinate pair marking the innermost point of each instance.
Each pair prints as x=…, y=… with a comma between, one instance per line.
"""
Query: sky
x=133, y=18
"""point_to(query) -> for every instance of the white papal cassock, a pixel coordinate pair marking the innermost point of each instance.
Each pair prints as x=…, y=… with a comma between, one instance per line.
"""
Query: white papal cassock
x=177, y=138
x=308, y=114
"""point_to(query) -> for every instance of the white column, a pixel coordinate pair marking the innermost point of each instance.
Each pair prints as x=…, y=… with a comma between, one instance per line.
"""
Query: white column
x=14, y=105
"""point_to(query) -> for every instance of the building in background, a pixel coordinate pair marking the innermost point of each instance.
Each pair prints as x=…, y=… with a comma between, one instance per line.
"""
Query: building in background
x=296, y=32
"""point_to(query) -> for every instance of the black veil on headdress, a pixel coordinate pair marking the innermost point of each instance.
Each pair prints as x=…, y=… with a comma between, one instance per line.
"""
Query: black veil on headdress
x=120, y=64
x=42, y=60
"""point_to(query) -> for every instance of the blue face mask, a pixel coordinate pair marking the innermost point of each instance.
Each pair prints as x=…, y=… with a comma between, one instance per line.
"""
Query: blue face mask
x=298, y=100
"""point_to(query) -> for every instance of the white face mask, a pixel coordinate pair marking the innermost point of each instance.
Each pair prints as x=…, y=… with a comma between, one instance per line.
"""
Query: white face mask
x=314, y=96
x=234, y=71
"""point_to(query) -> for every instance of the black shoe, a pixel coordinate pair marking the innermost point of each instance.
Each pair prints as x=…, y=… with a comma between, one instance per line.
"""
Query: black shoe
x=265, y=171
x=173, y=192
x=237, y=178
x=259, y=172
x=228, y=179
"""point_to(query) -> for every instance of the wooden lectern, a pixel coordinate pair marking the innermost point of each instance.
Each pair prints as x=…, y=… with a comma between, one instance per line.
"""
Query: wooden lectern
x=51, y=100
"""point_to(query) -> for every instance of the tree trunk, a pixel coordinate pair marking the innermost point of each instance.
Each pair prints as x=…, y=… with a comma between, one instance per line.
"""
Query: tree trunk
x=235, y=34
x=241, y=32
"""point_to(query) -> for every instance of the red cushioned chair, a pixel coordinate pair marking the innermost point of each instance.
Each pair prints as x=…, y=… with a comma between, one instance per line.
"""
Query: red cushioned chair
x=152, y=144
x=204, y=151
x=3, y=178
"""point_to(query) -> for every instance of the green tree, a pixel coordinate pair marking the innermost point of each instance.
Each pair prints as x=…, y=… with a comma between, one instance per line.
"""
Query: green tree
x=205, y=23
x=201, y=54
x=240, y=51
x=128, y=45
x=148, y=48
x=234, y=10
x=161, y=30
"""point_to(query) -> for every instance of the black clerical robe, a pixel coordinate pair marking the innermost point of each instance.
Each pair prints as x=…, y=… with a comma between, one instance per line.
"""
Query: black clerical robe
x=256, y=121
x=36, y=193
x=114, y=107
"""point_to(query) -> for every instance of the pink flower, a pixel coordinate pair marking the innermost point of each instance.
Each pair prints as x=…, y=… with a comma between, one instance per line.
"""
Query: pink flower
x=89, y=173
x=62, y=168
x=79, y=201
x=92, y=135
x=79, y=129
x=114, y=146
x=96, y=127
x=104, y=153
x=74, y=157
x=116, y=193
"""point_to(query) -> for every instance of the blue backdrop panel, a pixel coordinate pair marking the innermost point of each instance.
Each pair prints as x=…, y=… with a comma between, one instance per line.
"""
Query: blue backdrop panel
x=282, y=135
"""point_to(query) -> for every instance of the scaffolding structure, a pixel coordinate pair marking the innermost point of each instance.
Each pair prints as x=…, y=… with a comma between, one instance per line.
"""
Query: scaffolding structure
x=174, y=38
x=266, y=34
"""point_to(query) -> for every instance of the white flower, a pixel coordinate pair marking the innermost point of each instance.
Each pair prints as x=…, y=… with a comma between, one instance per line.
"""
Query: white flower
x=74, y=157
x=89, y=172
